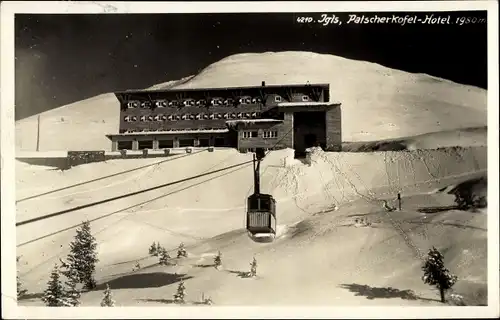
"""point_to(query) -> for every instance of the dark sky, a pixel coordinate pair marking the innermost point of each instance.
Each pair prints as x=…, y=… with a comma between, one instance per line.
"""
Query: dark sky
x=66, y=58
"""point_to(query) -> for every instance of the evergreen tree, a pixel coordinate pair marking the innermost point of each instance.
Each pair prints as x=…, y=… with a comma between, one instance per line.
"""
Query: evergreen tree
x=72, y=295
x=107, y=300
x=181, y=251
x=54, y=295
x=180, y=294
x=218, y=260
x=82, y=257
x=20, y=290
x=435, y=274
x=153, y=250
x=164, y=257
x=253, y=268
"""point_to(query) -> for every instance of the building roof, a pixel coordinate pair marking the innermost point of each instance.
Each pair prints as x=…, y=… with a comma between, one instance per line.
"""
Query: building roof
x=267, y=86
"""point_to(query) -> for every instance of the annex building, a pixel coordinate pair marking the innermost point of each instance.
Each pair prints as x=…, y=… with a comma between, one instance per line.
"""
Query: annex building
x=265, y=116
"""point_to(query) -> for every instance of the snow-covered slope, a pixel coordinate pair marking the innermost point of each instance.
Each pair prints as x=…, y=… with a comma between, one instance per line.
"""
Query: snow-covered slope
x=378, y=102
x=208, y=214
x=320, y=256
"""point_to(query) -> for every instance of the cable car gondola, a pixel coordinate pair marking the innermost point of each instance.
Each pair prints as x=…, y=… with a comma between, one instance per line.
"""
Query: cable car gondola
x=261, y=208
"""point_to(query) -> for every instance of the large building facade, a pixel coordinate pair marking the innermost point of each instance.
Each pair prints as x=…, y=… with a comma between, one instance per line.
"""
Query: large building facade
x=265, y=116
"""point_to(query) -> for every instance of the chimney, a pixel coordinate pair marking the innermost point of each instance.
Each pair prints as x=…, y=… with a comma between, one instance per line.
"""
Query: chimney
x=263, y=83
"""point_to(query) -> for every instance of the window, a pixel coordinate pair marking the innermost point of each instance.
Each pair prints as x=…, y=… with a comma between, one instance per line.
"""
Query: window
x=239, y=115
x=254, y=115
x=164, y=144
x=277, y=98
x=247, y=115
x=198, y=116
x=158, y=117
x=226, y=116
x=305, y=98
x=143, y=118
x=233, y=115
x=150, y=118
x=211, y=116
x=250, y=134
x=206, y=116
x=270, y=134
x=177, y=117
x=145, y=104
x=204, y=142
x=145, y=144
x=184, y=116
x=126, y=119
x=186, y=143
x=191, y=116
x=132, y=104
x=124, y=145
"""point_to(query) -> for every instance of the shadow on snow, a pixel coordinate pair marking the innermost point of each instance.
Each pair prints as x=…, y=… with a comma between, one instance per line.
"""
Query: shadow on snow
x=143, y=280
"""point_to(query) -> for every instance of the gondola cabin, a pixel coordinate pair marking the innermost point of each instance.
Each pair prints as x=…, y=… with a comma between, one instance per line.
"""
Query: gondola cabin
x=261, y=208
x=261, y=215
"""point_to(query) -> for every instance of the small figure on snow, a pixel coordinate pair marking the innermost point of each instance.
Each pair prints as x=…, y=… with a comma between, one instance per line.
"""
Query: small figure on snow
x=386, y=206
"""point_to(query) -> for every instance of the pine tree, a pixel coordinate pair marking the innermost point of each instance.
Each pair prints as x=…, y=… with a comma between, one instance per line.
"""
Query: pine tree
x=82, y=257
x=218, y=260
x=153, y=250
x=181, y=251
x=180, y=294
x=435, y=274
x=253, y=268
x=20, y=290
x=53, y=296
x=107, y=300
x=72, y=294
x=164, y=257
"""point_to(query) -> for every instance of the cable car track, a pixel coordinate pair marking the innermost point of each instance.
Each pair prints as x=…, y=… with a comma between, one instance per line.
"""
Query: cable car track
x=108, y=176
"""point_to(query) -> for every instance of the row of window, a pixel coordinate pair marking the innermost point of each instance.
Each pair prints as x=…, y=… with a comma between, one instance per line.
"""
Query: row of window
x=199, y=116
x=254, y=134
x=202, y=102
x=131, y=130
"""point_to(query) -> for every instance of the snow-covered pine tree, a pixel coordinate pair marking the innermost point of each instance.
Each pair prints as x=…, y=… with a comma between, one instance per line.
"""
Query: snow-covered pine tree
x=180, y=294
x=164, y=257
x=54, y=295
x=107, y=300
x=181, y=251
x=20, y=290
x=82, y=256
x=253, y=268
x=153, y=250
x=435, y=274
x=72, y=294
x=218, y=260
